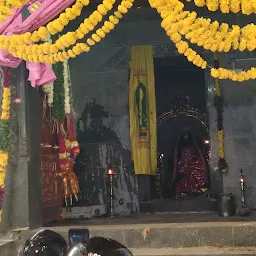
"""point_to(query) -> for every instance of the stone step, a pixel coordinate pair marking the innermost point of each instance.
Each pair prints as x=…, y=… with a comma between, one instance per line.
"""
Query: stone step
x=194, y=251
x=177, y=235
x=155, y=237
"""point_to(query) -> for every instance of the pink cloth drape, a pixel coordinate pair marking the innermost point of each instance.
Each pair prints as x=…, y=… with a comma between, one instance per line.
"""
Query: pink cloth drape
x=39, y=73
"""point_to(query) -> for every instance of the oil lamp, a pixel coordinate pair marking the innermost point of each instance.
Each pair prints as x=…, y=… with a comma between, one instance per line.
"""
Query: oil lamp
x=242, y=211
x=242, y=188
x=111, y=173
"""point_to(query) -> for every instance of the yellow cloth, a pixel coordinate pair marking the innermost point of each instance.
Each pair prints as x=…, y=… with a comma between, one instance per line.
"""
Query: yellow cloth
x=142, y=108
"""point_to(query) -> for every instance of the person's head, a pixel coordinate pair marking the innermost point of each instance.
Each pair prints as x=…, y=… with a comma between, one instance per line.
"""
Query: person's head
x=100, y=246
x=186, y=139
x=79, y=249
x=107, y=247
x=45, y=243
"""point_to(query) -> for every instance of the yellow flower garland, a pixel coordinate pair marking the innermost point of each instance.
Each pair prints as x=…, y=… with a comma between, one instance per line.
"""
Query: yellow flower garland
x=6, y=104
x=222, y=73
x=5, y=115
x=246, y=6
x=96, y=37
x=36, y=52
x=56, y=56
x=7, y=5
x=210, y=35
x=53, y=27
x=171, y=12
x=221, y=144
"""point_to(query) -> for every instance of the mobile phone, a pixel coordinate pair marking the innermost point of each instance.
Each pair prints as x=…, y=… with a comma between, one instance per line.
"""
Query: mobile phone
x=76, y=236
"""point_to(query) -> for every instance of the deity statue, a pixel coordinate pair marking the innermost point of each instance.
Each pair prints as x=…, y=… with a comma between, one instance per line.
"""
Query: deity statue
x=190, y=170
x=68, y=150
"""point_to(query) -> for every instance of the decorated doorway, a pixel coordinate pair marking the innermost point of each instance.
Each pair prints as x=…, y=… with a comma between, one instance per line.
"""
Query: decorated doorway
x=187, y=148
x=182, y=136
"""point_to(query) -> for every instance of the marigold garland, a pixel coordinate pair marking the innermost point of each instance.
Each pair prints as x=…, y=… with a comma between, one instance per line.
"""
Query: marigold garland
x=96, y=37
x=225, y=6
x=5, y=131
x=218, y=103
x=53, y=27
x=25, y=50
x=210, y=35
x=222, y=73
x=6, y=7
x=171, y=12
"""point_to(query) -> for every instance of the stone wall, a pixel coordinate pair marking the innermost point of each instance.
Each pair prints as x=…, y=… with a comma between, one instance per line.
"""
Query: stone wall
x=100, y=91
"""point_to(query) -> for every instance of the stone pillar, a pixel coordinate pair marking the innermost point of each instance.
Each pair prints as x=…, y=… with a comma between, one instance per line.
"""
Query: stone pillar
x=216, y=177
x=22, y=203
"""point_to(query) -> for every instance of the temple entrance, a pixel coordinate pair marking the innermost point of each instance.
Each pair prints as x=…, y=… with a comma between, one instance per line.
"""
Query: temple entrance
x=52, y=192
x=183, y=138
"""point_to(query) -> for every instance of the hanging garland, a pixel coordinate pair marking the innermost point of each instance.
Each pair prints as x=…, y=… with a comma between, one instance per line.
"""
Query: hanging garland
x=218, y=104
x=210, y=35
x=246, y=6
x=58, y=93
x=48, y=88
x=5, y=130
x=52, y=53
x=6, y=7
x=62, y=20
x=172, y=11
x=66, y=40
x=67, y=85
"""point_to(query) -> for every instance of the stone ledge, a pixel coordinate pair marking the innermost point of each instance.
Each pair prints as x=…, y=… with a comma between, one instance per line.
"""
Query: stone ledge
x=194, y=251
x=176, y=235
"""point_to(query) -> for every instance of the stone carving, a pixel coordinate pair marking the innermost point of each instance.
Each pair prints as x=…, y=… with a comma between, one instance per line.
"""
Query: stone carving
x=182, y=106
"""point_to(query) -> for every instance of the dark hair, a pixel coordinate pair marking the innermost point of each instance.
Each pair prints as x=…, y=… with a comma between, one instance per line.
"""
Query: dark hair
x=45, y=243
x=186, y=139
x=107, y=247
x=101, y=246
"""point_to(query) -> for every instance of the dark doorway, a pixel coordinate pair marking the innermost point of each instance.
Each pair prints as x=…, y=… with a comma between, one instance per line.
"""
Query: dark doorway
x=181, y=92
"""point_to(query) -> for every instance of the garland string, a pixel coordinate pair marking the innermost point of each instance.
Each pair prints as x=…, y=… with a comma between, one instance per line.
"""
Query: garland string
x=218, y=103
x=5, y=131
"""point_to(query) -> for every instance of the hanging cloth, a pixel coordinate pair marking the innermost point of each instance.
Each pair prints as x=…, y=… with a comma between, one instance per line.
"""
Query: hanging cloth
x=142, y=108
